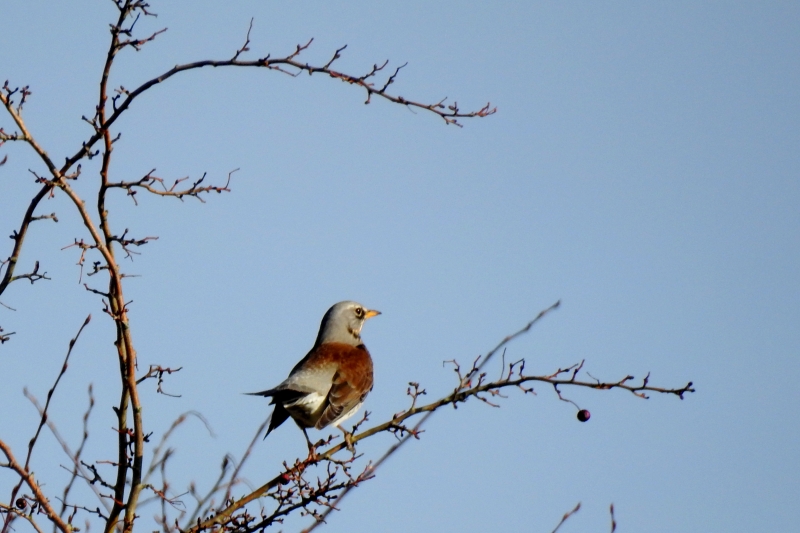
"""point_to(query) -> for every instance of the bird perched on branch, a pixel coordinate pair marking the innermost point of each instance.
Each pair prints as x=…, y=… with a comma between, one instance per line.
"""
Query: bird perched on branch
x=330, y=383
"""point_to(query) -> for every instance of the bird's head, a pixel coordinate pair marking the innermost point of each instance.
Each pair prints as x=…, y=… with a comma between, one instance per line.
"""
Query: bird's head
x=343, y=322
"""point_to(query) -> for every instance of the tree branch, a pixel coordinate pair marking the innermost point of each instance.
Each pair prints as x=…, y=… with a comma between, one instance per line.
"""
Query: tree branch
x=149, y=181
x=449, y=113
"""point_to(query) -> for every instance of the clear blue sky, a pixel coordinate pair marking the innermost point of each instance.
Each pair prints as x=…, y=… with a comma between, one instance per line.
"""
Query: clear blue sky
x=642, y=167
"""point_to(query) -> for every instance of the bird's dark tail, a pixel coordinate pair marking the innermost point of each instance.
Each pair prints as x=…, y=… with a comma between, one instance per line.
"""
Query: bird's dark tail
x=279, y=416
x=268, y=393
x=279, y=398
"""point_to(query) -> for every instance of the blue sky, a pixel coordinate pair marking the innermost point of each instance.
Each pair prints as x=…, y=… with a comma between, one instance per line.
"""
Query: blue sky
x=642, y=167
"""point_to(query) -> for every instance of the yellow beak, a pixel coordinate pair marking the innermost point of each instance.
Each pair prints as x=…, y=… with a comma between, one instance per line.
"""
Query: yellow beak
x=371, y=314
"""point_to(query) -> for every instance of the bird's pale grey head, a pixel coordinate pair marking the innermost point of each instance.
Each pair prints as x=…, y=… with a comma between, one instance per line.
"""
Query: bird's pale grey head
x=343, y=322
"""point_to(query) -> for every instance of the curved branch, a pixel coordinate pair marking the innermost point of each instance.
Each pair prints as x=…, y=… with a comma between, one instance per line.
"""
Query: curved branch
x=449, y=113
x=19, y=237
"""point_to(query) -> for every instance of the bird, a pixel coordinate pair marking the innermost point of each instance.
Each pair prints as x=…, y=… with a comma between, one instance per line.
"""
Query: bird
x=330, y=383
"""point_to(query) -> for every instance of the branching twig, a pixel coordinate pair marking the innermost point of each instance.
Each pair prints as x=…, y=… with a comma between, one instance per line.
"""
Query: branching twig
x=5, y=336
x=449, y=113
x=157, y=371
x=245, y=46
x=149, y=181
x=33, y=276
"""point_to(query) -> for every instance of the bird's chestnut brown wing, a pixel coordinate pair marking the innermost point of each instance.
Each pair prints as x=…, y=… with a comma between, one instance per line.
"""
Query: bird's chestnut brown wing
x=351, y=383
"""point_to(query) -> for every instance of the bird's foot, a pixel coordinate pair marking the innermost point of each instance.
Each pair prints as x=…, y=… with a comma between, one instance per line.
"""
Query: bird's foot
x=312, y=449
x=348, y=440
x=313, y=457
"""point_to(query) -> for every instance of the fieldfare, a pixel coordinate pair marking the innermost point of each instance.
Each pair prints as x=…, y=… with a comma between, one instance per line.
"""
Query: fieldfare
x=330, y=383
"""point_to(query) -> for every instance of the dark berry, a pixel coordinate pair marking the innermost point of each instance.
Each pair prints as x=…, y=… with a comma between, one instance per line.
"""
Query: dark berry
x=584, y=415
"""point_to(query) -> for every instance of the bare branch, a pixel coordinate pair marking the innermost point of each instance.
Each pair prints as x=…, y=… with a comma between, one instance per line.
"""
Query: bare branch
x=19, y=237
x=51, y=216
x=149, y=181
x=5, y=137
x=157, y=371
x=33, y=276
x=5, y=336
x=450, y=114
x=245, y=46
x=126, y=242
x=567, y=515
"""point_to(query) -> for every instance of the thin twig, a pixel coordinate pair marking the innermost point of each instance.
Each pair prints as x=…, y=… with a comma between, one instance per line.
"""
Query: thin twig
x=566, y=516
x=613, y=520
x=78, y=469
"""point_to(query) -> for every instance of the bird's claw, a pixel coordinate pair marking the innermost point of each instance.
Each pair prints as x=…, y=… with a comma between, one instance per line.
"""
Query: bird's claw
x=348, y=441
x=313, y=457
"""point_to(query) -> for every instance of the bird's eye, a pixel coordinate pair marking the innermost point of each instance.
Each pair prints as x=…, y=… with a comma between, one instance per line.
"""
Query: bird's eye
x=359, y=312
